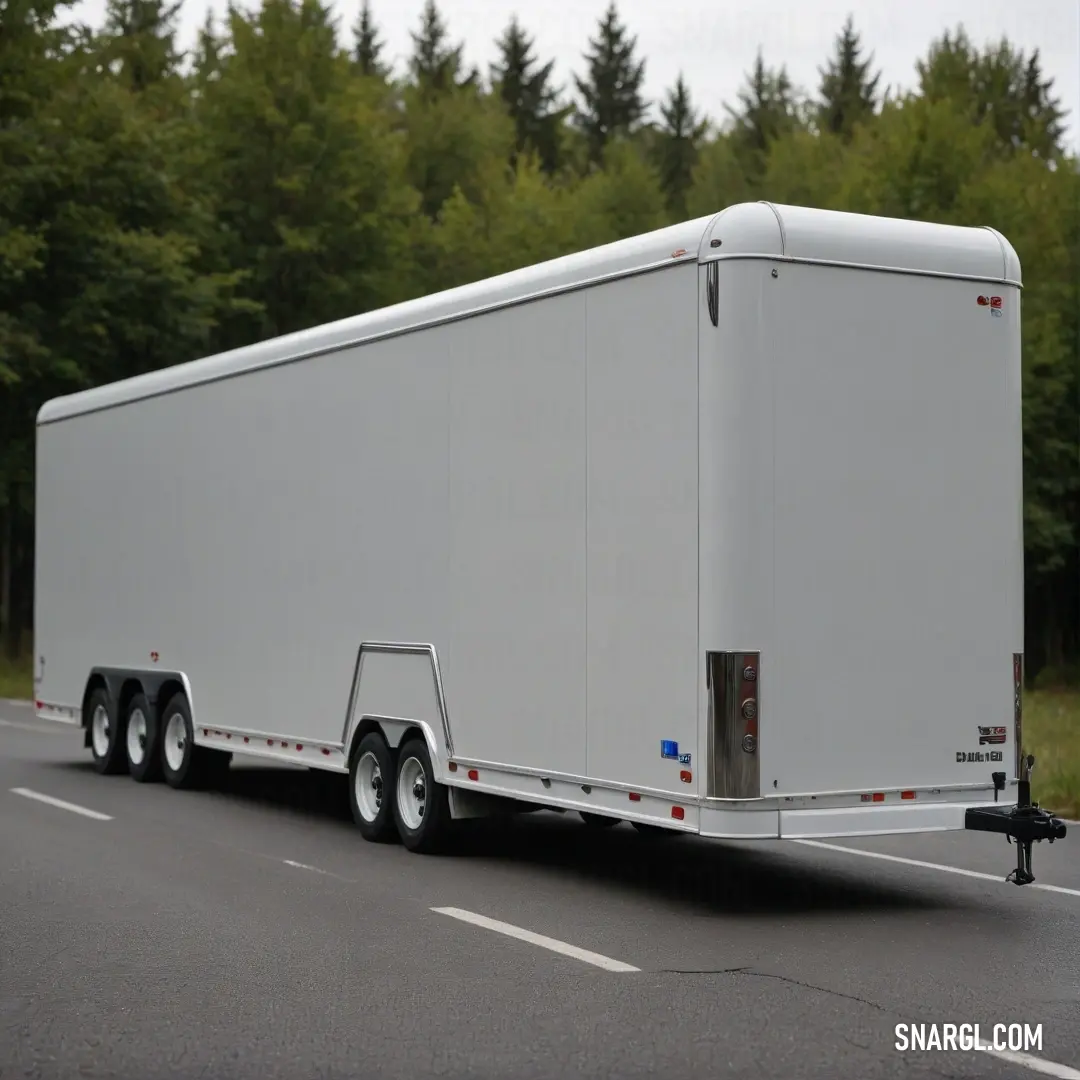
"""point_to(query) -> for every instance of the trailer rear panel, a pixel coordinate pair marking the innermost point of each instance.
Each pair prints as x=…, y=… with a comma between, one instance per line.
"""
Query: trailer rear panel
x=863, y=512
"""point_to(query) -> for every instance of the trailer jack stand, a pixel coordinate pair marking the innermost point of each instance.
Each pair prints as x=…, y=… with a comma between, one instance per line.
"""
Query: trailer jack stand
x=1025, y=823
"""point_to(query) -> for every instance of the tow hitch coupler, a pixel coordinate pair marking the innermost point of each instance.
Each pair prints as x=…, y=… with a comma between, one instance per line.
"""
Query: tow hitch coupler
x=1025, y=823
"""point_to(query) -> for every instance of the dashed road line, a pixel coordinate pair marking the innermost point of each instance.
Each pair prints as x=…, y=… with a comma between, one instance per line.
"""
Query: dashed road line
x=552, y=944
x=37, y=796
x=303, y=866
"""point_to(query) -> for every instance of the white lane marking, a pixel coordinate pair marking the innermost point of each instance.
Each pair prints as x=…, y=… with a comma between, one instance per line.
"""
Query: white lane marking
x=932, y=866
x=11, y=702
x=299, y=866
x=554, y=945
x=36, y=728
x=303, y=866
x=1036, y=1064
x=26, y=793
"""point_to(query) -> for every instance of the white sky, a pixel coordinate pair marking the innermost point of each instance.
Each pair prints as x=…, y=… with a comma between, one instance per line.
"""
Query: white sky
x=713, y=42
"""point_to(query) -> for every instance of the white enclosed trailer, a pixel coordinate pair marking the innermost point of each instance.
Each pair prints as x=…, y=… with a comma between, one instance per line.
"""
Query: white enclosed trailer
x=716, y=529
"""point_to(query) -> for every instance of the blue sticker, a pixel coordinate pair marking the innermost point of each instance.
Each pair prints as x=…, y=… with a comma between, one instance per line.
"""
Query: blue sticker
x=684, y=759
x=669, y=748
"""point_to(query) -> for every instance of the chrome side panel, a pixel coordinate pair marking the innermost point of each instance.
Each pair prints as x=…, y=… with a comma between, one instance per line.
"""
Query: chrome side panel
x=734, y=716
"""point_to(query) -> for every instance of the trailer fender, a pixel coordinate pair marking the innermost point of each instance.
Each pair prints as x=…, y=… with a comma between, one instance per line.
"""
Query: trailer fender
x=398, y=687
x=395, y=730
x=121, y=682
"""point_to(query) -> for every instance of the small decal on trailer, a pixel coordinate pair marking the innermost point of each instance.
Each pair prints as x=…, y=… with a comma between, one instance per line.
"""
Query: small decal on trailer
x=669, y=749
x=684, y=759
x=993, y=735
x=979, y=756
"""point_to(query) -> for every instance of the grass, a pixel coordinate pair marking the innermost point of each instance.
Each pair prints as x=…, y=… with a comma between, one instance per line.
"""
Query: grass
x=16, y=678
x=1051, y=732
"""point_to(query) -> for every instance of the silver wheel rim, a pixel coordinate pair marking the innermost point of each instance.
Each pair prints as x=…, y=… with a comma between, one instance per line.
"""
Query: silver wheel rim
x=175, y=741
x=369, y=786
x=136, y=737
x=100, y=730
x=412, y=793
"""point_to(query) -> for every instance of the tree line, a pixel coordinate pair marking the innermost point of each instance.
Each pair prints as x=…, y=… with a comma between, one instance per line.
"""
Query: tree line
x=156, y=207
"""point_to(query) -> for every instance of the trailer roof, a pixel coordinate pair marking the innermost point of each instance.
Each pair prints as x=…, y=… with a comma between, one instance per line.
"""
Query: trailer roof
x=758, y=230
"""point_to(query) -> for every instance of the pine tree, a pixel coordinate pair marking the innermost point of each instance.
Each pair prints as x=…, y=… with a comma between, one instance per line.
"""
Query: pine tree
x=1040, y=112
x=767, y=110
x=436, y=67
x=1000, y=86
x=612, y=102
x=207, y=59
x=140, y=38
x=307, y=179
x=849, y=92
x=528, y=96
x=367, y=48
x=677, y=145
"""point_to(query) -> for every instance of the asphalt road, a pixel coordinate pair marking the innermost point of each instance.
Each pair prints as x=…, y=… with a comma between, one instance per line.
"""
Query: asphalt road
x=250, y=933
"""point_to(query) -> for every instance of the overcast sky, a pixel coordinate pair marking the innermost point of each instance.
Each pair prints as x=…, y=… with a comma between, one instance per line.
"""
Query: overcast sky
x=713, y=42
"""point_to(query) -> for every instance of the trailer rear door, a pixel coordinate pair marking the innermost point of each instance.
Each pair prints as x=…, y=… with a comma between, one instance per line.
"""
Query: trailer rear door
x=897, y=547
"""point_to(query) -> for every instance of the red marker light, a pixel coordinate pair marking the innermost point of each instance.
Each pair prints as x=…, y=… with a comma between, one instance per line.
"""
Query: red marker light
x=879, y=796
x=635, y=797
x=984, y=301
x=678, y=813
x=907, y=794
x=474, y=775
x=995, y=301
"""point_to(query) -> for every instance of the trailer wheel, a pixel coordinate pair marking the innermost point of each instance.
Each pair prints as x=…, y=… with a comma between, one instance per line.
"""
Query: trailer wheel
x=598, y=821
x=371, y=789
x=421, y=806
x=106, y=734
x=141, y=740
x=180, y=760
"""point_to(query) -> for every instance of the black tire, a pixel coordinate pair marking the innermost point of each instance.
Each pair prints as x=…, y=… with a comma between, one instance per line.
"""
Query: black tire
x=106, y=734
x=598, y=821
x=429, y=833
x=371, y=771
x=185, y=770
x=653, y=832
x=142, y=739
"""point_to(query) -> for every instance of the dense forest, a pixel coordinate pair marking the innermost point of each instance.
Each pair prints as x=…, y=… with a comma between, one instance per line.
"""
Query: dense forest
x=156, y=207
